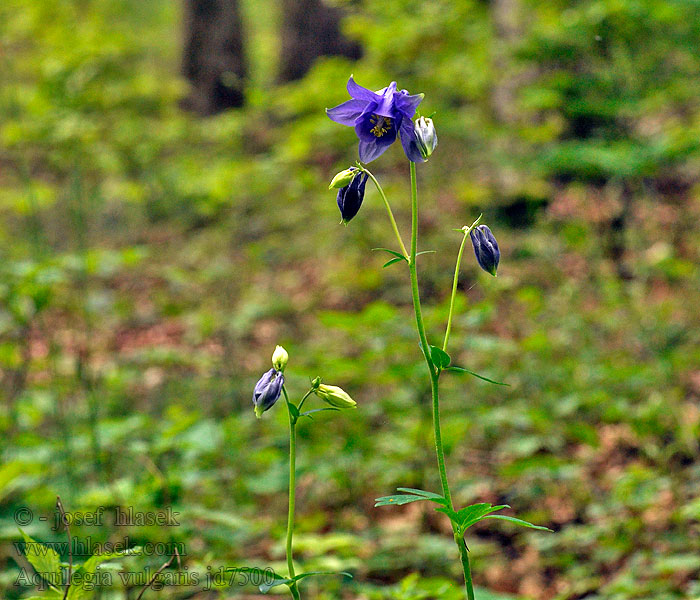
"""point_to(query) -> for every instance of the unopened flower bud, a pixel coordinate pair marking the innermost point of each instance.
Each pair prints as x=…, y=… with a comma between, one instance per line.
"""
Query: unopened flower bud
x=315, y=383
x=335, y=396
x=343, y=178
x=279, y=358
x=485, y=248
x=267, y=391
x=351, y=196
x=425, y=137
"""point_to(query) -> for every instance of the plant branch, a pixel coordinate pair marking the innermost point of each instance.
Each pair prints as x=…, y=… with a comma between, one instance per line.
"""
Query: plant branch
x=389, y=211
x=158, y=572
x=467, y=231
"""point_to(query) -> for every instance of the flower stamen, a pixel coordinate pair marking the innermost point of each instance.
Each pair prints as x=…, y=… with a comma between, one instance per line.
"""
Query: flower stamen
x=382, y=125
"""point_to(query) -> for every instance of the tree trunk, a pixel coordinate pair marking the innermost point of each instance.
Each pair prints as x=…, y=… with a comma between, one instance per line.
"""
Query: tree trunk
x=311, y=29
x=214, y=58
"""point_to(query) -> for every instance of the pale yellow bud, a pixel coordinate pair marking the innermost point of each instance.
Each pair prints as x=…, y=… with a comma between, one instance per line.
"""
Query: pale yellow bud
x=335, y=396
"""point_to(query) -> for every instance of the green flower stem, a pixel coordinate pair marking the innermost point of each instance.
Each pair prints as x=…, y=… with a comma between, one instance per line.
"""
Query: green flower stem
x=292, y=499
x=311, y=391
x=434, y=375
x=466, y=231
x=389, y=212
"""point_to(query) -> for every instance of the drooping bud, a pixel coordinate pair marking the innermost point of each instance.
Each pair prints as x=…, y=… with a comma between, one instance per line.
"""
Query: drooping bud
x=315, y=382
x=267, y=391
x=426, y=137
x=350, y=197
x=335, y=396
x=279, y=359
x=343, y=178
x=485, y=248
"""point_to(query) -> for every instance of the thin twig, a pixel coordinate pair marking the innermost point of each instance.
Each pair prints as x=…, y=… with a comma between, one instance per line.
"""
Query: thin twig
x=64, y=518
x=159, y=571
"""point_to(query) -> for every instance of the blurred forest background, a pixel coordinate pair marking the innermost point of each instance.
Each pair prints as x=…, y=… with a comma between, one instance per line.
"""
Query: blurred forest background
x=165, y=221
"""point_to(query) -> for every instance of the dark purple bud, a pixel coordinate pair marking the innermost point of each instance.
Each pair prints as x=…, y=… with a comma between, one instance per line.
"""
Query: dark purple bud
x=350, y=197
x=267, y=391
x=485, y=248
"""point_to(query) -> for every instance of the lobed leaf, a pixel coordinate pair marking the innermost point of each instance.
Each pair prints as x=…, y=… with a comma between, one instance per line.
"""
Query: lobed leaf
x=452, y=515
x=475, y=513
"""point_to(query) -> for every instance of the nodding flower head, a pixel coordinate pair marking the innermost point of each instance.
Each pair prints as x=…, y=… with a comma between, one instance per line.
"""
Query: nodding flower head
x=485, y=248
x=267, y=391
x=351, y=196
x=378, y=117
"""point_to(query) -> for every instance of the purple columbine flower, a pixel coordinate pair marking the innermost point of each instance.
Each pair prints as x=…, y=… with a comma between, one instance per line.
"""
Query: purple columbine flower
x=485, y=248
x=378, y=117
x=267, y=391
x=350, y=197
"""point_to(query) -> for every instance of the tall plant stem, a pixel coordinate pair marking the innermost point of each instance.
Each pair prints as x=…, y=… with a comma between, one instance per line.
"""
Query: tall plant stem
x=389, y=212
x=434, y=382
x=292, y=497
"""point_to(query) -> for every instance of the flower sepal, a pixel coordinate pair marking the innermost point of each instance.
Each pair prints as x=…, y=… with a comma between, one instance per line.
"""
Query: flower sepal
x=343, y=178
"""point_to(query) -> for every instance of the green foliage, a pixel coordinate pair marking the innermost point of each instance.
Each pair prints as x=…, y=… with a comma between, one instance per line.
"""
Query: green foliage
x=47, y=564
x=44, y=559
x=151, y=260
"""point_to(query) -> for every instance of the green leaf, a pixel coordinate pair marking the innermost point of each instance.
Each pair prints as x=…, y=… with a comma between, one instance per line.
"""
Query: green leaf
x=440, y=358
x=473, y=514
x=88, y=568
x=308, y=413
x=516, y=521
x=392, y=261
x=279, y=580
x=446, y=510
x=293, y=409
x=398, y=500
x=427, y=495
x=44, y=559
x=91, y=564
x=468, y=372
x=266, y=587
x=425, y=252
x=314, y=573
x=263, y=587
x=393, y=253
